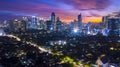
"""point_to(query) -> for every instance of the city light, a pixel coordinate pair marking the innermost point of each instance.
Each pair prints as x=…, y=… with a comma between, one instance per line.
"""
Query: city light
x=51, y=28
x=75, y=30
x=74, y=33
x=63, y=42
x=88, y=32
x=59, y=42
x=112, y=66
x=2, y=33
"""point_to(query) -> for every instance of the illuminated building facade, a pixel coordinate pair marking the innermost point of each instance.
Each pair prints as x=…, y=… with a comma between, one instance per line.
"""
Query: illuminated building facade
x=33, y=22
x=17, y=26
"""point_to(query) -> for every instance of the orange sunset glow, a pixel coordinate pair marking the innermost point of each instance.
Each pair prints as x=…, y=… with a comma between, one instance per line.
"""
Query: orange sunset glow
x=84, y=19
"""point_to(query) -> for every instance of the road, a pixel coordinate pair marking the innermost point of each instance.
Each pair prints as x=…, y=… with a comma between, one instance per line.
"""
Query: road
x=32, y=44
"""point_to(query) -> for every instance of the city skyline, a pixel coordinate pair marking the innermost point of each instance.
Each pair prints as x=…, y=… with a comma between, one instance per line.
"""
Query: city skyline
x=67, y=10
x=59, y=33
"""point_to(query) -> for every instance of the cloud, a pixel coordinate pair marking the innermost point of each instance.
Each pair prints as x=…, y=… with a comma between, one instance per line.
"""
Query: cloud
x=116, y=12
x=67, y=10
x=95, y=15
x=88, y=4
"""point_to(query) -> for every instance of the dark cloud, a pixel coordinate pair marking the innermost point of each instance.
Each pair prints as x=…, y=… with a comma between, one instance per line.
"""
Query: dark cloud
x=117, y=12
x=88, y=16
x=95, y=15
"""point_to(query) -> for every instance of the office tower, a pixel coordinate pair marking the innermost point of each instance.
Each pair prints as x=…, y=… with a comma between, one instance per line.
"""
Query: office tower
x=17, y=26
x=53, y=20
x=45, y=26
x=40, y=23
x=59, y=25
x=33, y=22
x=58, y=19
x=75, y=29
x=2, y=32
x=49, y=25
x=5, y=23
x=13, y=25
x=75, y=24
x=104, y=19
x=79, y=21
x=114, y=25
x=24, y=24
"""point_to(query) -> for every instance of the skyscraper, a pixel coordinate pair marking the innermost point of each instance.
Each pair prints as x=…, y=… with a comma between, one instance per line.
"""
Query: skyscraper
x=59, y=25
x=104, y=19
x=58, y=19
x=14, y=25
x=114, y=26
x=76, y=25
x=33, y=22
x=24, y=23
x=79, y=21
x=53, y=21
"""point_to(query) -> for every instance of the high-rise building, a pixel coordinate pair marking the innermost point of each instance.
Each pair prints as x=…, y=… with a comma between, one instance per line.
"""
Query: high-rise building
x=53, y=20
x=49, y=25
x=5, y=23
x=75, y=25
x=59, y=25
x=41, y=23
x=113, y=25
x=33, y=22
x=13, y=25
x=57, y=19
x=17, y=25
x=24, y=24
x=104, y=19
x=79, y=21
x=2, y=32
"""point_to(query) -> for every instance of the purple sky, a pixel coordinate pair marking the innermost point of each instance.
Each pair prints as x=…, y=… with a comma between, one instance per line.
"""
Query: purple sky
x=67, y=10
